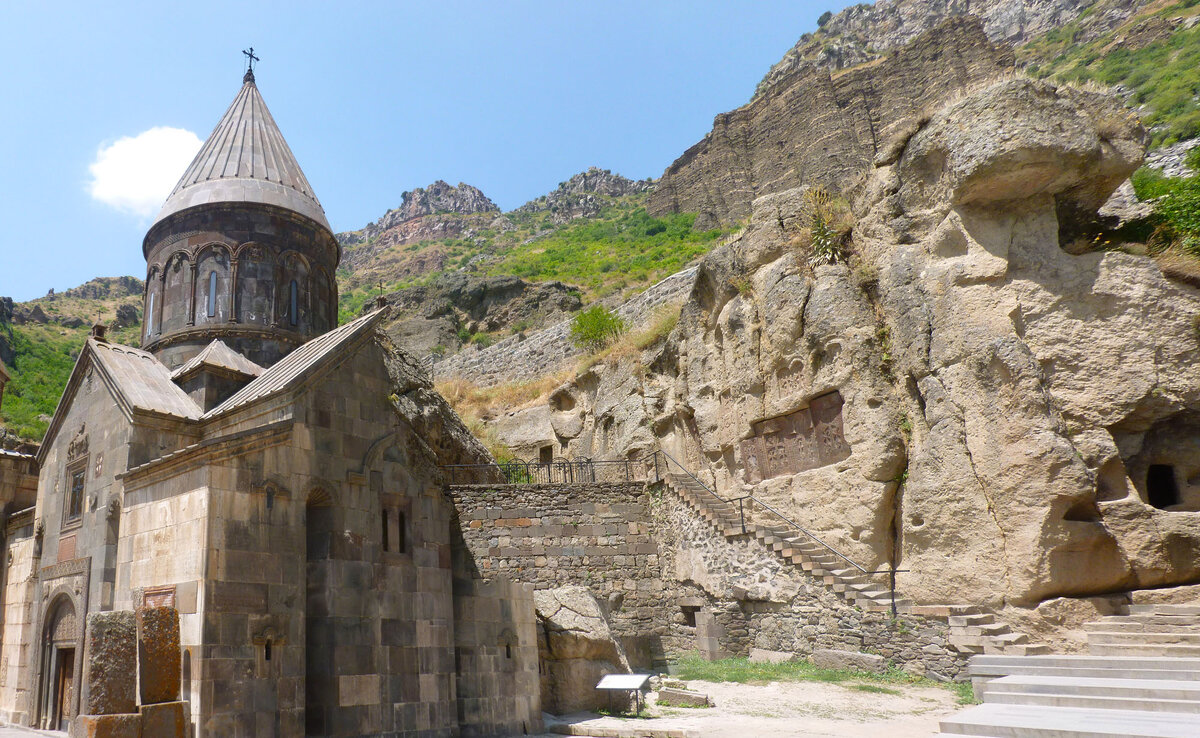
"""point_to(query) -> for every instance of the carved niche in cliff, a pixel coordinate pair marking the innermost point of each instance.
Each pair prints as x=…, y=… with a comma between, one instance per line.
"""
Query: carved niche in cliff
x=802, y=440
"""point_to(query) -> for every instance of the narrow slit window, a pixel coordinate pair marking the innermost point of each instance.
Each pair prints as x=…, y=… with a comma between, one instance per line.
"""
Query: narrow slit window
x=212, y=294
x=385, y=530
x=401, y=532
x=294, y=303
x=150, y=316
x=267, y=650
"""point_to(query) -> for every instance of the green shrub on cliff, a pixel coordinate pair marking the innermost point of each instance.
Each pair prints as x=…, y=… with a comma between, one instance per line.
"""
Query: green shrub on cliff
x=595, y=328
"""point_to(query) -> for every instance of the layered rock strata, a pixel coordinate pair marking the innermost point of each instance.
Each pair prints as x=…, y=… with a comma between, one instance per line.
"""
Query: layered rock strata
x=814, y=127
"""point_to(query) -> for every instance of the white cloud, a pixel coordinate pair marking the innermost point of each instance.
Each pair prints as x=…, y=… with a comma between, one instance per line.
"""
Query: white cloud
x=134, y=174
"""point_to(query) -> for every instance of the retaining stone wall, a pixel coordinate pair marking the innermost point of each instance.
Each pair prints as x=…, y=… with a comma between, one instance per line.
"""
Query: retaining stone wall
x=647, y=556
x=535, y=354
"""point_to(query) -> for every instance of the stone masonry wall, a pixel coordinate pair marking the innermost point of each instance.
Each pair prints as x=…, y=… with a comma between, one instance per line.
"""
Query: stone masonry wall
x=758, y=601
x=597, y=535
x=535, y=354
x=671, y=583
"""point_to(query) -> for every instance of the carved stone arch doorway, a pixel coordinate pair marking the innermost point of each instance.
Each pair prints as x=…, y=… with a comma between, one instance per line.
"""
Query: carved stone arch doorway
x=58, y=697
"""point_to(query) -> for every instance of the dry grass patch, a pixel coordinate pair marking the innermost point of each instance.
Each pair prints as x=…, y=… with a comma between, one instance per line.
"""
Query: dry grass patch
x=1179, y=264
x=661, y=324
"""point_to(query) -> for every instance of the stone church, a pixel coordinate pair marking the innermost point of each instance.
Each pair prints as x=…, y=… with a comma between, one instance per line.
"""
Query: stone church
x=272, y=476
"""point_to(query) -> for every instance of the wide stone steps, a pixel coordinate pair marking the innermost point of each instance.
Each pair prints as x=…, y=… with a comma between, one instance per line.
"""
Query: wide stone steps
x=1151, y=667
x=1141, y=690
x=1158, y=695
x=1042, y=721
x=1151, y=649
x=793, y=546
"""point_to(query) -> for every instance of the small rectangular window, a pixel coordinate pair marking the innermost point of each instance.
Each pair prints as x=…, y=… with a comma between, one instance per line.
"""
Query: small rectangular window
x=75, y=493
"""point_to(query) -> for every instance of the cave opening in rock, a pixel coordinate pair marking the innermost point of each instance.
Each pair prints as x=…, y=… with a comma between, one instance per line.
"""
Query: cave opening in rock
x=1162, y=491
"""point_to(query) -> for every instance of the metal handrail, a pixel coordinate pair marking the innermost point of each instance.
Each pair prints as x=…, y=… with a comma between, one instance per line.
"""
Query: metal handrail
x=891, y=572
x=689, y=473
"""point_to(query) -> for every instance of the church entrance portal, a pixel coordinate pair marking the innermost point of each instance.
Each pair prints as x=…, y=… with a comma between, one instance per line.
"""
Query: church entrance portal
x=57, y=694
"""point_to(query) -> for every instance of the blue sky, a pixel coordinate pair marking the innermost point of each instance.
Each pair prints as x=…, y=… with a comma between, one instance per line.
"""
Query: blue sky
x=374, y=99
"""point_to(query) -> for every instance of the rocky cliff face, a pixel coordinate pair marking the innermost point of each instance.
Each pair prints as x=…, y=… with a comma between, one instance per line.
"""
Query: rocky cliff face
x=426, y=213
x=426, y=317
x=822, y=129
x=864, y=32
x=960, y=396
x=583, y=195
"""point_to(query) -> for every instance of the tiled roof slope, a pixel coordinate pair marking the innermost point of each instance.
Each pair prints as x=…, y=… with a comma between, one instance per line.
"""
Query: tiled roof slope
x=292, y=369
x=219, y=355
x=143, y=382
x=245, y=159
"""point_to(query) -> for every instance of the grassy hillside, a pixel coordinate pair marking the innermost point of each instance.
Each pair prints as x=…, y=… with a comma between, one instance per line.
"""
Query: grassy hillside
x=620, y=250
x=45, y=353
x=1154, y=56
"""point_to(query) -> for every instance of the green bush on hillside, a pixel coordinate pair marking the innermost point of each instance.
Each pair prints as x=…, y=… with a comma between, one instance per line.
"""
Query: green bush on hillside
x=595, y=328
x=1164, y=76
x=45, y=358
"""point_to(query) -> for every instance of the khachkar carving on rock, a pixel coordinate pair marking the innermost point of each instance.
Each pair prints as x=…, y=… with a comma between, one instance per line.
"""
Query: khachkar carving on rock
x=796, y=442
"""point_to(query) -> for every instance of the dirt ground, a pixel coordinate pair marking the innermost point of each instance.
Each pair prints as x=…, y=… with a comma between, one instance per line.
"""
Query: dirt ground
x=790, y=709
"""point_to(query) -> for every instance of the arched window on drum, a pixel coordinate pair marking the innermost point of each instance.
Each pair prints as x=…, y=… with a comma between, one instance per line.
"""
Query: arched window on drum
x=212, y=288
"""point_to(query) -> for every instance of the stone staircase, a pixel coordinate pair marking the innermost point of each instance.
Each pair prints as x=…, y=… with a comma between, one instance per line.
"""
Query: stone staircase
x=791, y=545
x=976, y=632
x=972, y=631
x=1141, y=678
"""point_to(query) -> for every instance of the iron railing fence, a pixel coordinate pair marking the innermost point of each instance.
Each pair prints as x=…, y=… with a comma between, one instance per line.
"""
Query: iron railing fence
x=559, y=471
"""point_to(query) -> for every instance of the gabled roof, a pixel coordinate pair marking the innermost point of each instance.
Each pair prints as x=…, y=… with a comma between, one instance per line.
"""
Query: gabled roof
x=294, y=368
x=219, y=355
x=138, y=382
x=142, y=381
x=245, y=159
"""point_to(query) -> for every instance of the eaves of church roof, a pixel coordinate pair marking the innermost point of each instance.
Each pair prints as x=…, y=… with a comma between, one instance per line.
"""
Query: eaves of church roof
x=245, y=159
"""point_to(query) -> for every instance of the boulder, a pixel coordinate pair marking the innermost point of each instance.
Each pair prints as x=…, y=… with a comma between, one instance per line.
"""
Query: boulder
x=1021, y=138
x=578, y=648
x=830, y=658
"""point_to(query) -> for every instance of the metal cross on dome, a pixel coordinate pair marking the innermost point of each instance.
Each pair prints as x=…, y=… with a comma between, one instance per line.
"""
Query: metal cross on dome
x=250, y=58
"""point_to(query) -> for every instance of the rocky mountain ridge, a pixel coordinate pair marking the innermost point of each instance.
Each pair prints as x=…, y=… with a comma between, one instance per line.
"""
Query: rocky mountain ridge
x=865, y=32
x=581, y=195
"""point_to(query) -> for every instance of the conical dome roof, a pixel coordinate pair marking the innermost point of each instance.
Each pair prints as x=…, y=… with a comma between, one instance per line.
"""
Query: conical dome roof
x=245, y=159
